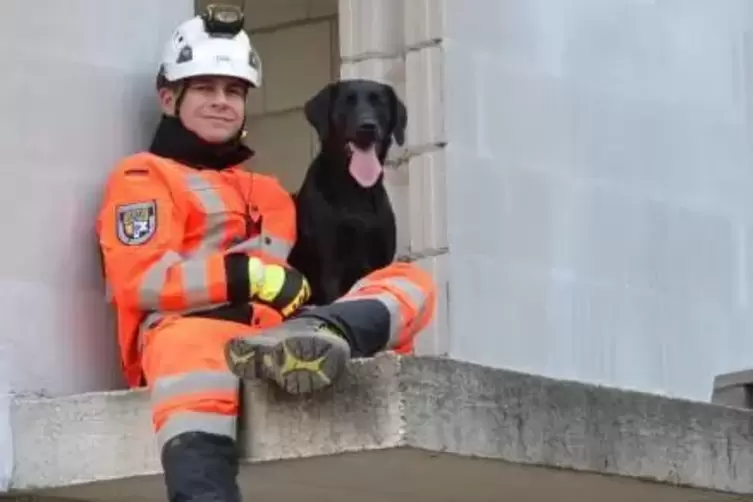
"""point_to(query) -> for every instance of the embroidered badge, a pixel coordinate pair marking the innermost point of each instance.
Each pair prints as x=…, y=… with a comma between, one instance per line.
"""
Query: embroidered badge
x=137, y=222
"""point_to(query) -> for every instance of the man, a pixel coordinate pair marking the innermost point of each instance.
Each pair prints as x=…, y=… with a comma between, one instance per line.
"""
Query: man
x=194, y=250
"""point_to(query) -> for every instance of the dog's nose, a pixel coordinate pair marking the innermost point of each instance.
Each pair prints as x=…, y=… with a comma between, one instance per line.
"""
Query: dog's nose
x=366, y=130
x=366, y=133
x=367, y=127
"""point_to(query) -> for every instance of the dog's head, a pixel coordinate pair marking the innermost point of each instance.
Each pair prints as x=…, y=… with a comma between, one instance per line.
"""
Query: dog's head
x=357, y=119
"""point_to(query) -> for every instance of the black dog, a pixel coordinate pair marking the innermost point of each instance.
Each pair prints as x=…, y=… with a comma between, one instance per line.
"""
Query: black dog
x=346, y=225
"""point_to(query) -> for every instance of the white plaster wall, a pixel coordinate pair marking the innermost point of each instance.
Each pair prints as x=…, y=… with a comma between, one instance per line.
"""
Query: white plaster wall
x=600, y=188
x=76, y=94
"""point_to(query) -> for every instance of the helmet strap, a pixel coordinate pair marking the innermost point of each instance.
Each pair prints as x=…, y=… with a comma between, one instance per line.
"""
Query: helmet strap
x=180, y=93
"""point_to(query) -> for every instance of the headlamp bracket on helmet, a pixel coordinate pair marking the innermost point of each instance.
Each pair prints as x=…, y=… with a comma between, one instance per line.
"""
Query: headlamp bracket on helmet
x=222, y=20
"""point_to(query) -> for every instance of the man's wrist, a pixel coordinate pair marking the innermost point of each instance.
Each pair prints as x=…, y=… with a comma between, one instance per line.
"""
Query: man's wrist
x=237, y=278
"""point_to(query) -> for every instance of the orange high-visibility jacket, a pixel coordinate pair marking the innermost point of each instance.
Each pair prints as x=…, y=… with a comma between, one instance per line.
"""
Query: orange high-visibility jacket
x=166, y=230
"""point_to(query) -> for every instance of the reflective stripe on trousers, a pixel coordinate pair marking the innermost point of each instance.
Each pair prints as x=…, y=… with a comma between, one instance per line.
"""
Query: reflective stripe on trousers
x=152, y=318
x=390, y=301
x=198, y=383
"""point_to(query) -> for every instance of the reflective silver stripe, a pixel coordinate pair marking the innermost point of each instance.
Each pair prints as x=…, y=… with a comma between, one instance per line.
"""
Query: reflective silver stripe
x=195, y=281
x=197, y=381
x=154, y=317
x=154, y=280
x=214, y=210
x=252, y=244
x=362, y=283
x=397, y=323
x=278, y=248
x=411, y=290
x=393, y=307
x=149, y=320
x=268, y=244
x=194, y=421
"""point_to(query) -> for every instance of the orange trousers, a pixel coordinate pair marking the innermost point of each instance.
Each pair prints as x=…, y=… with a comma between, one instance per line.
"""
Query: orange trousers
x=192, y=389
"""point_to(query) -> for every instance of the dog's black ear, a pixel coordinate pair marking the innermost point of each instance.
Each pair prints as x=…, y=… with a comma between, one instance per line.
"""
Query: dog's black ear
x=399, y=116
x=317, y=110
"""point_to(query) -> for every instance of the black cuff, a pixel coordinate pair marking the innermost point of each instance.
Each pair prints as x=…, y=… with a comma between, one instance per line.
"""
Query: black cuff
x=364, y=323
x=292, y=287
x=236, y=278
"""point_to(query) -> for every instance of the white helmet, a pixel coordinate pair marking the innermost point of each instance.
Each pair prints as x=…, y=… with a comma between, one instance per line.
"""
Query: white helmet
x=213, y=43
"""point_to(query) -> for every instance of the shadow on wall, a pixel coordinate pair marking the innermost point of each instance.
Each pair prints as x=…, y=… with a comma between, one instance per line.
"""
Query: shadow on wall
x=58, y=331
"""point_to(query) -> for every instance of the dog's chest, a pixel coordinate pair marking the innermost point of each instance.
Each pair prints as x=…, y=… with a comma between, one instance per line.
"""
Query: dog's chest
x=364, y=228
x=357, y=216
x=362, y=221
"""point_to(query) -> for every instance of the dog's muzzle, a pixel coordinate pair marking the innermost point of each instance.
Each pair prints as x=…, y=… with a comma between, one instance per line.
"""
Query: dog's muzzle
x=366, y=134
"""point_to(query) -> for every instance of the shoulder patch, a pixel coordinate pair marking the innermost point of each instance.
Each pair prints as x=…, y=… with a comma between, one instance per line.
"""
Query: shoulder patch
x=137, y=222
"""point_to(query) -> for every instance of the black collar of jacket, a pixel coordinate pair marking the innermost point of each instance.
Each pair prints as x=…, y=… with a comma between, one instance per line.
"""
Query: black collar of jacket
x=173, y=141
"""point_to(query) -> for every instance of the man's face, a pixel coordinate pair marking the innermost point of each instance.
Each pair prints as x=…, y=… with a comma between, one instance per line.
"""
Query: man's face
x=212, y=107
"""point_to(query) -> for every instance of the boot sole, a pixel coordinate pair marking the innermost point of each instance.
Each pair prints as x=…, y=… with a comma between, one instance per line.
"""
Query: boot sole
x=298, y=364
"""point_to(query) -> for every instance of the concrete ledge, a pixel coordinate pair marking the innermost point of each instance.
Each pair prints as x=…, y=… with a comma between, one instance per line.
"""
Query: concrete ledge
x=734, y=389
x=413, y=428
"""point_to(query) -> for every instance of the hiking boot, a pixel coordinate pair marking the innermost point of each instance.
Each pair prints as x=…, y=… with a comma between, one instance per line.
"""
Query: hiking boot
x=201, y=467
x=302, y=355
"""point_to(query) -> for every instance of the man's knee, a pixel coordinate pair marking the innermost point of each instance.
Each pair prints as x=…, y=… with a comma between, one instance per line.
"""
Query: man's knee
x=179, y=345
x=407, y=282
x=406, y=271
x=395, y=303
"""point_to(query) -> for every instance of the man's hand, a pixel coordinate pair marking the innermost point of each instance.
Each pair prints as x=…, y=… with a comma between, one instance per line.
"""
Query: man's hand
x=282, y=288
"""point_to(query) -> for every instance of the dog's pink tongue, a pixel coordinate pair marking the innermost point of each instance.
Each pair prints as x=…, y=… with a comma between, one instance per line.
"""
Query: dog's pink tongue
x=365, y=167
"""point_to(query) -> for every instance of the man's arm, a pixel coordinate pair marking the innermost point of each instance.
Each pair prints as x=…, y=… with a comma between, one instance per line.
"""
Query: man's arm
x=140, y=232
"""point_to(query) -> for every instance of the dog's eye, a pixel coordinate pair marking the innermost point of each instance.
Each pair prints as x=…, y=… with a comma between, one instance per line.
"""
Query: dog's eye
x=351, y=99
x=374, y=98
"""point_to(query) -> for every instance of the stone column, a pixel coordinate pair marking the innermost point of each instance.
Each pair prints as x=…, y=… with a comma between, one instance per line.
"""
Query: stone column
x=399, y=42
